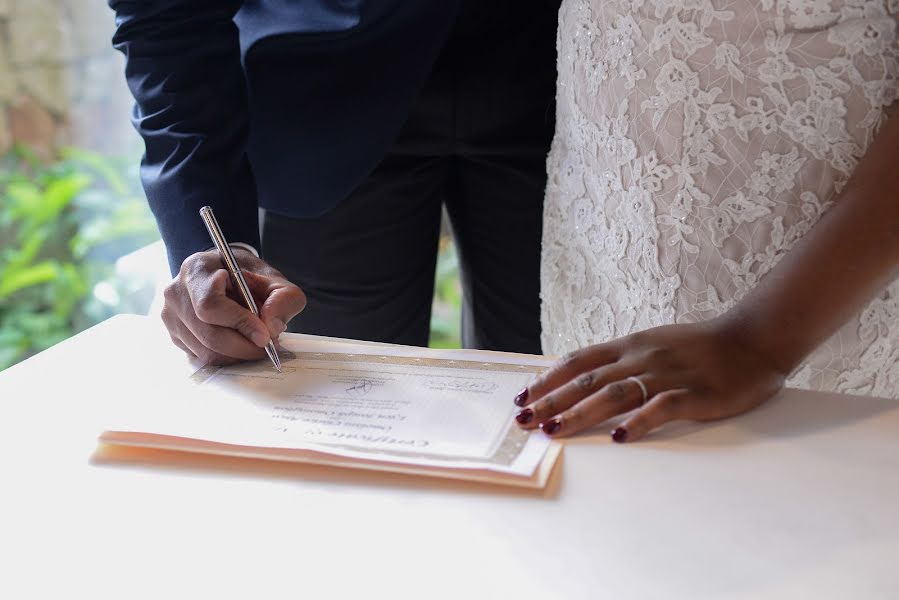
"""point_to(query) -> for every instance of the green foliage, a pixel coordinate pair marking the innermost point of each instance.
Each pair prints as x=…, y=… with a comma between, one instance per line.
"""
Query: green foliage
x=445, y=314
x=61, y=227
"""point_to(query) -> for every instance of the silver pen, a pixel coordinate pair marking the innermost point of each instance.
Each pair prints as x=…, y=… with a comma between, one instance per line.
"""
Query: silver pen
x=221, y=244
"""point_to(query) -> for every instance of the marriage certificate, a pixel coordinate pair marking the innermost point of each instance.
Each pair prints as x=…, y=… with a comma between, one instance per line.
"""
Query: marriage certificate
x=446, y=413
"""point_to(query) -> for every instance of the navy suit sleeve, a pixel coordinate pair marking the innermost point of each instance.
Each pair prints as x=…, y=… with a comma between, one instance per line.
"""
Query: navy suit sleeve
x=183, y=68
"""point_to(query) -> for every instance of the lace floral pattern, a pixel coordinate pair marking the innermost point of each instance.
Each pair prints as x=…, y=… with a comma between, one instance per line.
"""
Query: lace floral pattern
x=696, y=142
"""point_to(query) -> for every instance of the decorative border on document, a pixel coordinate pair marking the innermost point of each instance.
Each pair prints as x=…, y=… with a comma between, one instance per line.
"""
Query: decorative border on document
x=507, y=450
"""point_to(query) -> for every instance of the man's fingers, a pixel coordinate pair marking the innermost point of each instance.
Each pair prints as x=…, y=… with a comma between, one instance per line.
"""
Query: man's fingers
x=198, y=349
x=569, y=367
x=213, y=307
x=177, y=341
x=210, y=318
x=280, y=301
x=664, y=407
x=201, y=316
x=224, y=340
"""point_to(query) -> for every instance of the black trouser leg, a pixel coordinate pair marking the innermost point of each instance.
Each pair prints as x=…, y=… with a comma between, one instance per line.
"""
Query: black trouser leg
x=476, y=140
x=496, y=209
x=367, y=266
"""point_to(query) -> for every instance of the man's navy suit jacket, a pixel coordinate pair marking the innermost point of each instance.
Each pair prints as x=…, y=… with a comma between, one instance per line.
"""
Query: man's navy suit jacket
x=283, y=104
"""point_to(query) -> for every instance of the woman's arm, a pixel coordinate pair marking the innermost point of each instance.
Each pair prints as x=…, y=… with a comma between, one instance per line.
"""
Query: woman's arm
x=731, y=364
x=845, y=260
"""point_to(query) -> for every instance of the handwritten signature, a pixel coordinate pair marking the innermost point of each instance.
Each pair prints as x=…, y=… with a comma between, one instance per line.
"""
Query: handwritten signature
x=359, y=387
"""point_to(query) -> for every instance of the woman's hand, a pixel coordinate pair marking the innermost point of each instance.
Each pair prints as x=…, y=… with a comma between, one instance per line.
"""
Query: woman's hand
x=699, y=371
x=732, y=364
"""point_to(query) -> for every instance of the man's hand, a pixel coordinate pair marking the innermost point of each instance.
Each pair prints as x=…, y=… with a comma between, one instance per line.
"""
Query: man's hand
x=205, y=318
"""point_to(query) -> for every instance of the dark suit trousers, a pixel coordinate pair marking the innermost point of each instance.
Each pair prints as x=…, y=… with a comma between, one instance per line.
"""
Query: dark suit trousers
x=475, y=143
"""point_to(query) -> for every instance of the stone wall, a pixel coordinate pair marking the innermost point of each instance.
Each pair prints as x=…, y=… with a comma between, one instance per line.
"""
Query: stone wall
x=61, y=83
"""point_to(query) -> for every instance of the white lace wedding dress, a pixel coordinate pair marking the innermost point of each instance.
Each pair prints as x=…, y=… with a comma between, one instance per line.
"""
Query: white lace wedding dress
x=696, y=141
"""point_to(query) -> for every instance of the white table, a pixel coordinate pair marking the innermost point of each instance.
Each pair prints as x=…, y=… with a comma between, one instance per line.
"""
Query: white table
x=799, y=499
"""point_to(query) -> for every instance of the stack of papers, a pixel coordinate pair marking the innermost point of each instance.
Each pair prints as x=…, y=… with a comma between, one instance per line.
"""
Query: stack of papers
x=445, y=413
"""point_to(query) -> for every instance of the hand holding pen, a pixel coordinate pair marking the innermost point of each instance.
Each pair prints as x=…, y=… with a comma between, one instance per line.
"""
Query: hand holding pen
x=233, y=267
x=205, y=314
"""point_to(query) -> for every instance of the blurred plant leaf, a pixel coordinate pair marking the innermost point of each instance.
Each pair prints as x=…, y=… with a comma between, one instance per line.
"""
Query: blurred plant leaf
x=31, y=245
x=14, y=280
x=13, y=344
x=24, y=197
x=446, y=309
x=52, y=218
x=58, y=194
x=99, y=164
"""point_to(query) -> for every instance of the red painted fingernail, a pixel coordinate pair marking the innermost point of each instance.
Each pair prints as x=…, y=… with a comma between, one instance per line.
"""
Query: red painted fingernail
x=522, y=397
x=550, y=427
x=525, y=416
x=619, y=435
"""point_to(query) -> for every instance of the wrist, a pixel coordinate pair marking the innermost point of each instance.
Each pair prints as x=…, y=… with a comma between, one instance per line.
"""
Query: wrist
x=750, y=332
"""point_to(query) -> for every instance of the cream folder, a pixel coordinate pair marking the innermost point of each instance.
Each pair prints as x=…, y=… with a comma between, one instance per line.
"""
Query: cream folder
x=441, y=413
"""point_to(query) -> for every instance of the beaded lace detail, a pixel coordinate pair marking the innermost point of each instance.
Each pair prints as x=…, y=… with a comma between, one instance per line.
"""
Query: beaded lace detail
x=696, y=142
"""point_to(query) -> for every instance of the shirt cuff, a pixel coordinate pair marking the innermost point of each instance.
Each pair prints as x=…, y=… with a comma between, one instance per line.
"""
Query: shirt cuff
x=240, y=245
x=246, y=247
